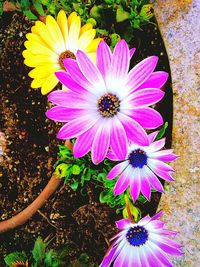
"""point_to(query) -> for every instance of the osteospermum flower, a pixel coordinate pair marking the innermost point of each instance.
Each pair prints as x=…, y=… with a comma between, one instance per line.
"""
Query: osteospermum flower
x=107, y=105
x=141, y=167
x=142, y=244
x=48, y=44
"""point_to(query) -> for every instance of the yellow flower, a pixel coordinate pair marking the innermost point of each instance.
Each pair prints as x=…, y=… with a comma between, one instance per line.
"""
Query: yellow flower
x=49, y=43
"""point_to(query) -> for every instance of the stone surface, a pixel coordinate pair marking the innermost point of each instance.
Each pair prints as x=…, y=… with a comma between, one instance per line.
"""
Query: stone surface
x=180, y=26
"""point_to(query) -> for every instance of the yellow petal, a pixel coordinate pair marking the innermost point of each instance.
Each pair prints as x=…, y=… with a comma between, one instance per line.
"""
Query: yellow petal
x=92, y=56
x=63, y=24
x=35, y=38
x=43, y=71
x=38, y=49
x=55, y=33
x=71, y=17
x=49, y=84
x=47, y=38
x=85, y=28
x=34, y=60
x=86, y=38
x=37, y=83
x=74, y=30
x=92, y=47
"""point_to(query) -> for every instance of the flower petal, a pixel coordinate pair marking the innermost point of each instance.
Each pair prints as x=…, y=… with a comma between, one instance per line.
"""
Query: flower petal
x=118, y=140
x=67, y=81
x=134, y=131
x=146, y=117
x=122, y=224
x=101, y=142
x=116, y=170
x=153, y=180
x=132, y=51
x=157, y=165
x=84, y=142
x=49, y=84
x=86, y=38
x=144, y=97
x=157, y=145
x=76, y=127
x=120, y=60
x=63, y=114
x=104, y=56
x=152, y=136
x=163, y=155
x=145, y=187
x=141, y=72
x=123, y=181
x=156, y=80
x=135, y=186
x=90, y=71
x=62, y=22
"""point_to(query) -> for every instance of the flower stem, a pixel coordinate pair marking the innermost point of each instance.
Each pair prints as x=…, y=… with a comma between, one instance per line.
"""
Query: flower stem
x=130, y=216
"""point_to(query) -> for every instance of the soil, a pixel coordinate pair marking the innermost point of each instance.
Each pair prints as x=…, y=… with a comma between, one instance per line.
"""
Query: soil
x=31, y=151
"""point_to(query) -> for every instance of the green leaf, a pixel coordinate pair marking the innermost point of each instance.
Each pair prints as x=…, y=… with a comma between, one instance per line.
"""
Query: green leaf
x=62, y=170
x=30, y=15
x=25, y=4
x=48, y=258
x=84, y=258
x=13, y=257
x=142, y=199
x=74, y=186
x=162, y=131
x=39, y=250
x=105, y=196
x=121, y=14
x=76, y=170
x=38, y=7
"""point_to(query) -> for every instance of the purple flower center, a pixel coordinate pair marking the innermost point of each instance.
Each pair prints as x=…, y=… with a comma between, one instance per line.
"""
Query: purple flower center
x=66, y=54
x=137, y=158
x=137, y=236
x=108, y=105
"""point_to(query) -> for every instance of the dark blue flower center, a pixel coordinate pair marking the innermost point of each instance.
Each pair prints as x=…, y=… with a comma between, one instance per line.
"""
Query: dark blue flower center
x=108, y=105
x=137, y=236
x=137, y=158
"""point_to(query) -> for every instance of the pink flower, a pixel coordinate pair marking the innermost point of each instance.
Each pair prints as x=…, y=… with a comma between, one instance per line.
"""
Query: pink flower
x=107, y=104
x=142, y=244
x=141, y=166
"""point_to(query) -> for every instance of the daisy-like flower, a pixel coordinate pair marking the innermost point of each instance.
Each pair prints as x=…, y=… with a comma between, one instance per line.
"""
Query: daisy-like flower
x=107, y=104
x=141, y=167
x=48, y=44
x=142, y=244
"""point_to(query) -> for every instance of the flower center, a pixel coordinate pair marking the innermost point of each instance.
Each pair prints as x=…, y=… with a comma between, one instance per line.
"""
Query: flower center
x=108, y=105
x=66, y=54
x=137, y=236
x=137, y=158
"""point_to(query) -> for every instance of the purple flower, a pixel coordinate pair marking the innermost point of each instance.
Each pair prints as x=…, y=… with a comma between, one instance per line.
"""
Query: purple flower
x=141, y=167
x=142, y=244
x=107, y=104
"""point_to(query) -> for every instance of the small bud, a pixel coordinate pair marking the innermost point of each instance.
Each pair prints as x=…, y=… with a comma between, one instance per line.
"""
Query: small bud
x=146, y=12
x=92, y=21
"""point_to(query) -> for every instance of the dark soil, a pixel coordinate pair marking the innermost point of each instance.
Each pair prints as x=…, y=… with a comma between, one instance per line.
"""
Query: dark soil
x=32, y=151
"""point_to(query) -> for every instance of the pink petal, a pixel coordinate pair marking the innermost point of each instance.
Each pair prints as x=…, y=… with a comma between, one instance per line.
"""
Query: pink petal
x=156, y=80
x=77, y=127
x=122, y=182
x=103, y=58
x=121, y=258
x=90, y=71
x=152, y=136
x=157, y=145
x=84, y=142
x=116, y=170
x=157, y=215
x=108, y=257
x=141, y=72
x=70, y=99
x=118, y=140
x=132, y=51
x=164, y=155
x=145, y=220
x=150, y=257
x=145, y=188
x=143, y=257
x=153, y=180
x=144, y=97
x=146, y=117
x=123, y=223
x=101, y=143
x=157, y=165
x=135, y=185
x=134, y=131
x=120, y=60
x=112, y=156
x=63, y=114
x=67, y=81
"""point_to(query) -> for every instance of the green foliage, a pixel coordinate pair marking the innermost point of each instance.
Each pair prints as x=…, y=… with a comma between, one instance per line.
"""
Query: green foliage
x=41, y=256
x=162, y=131
x=16, y=256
